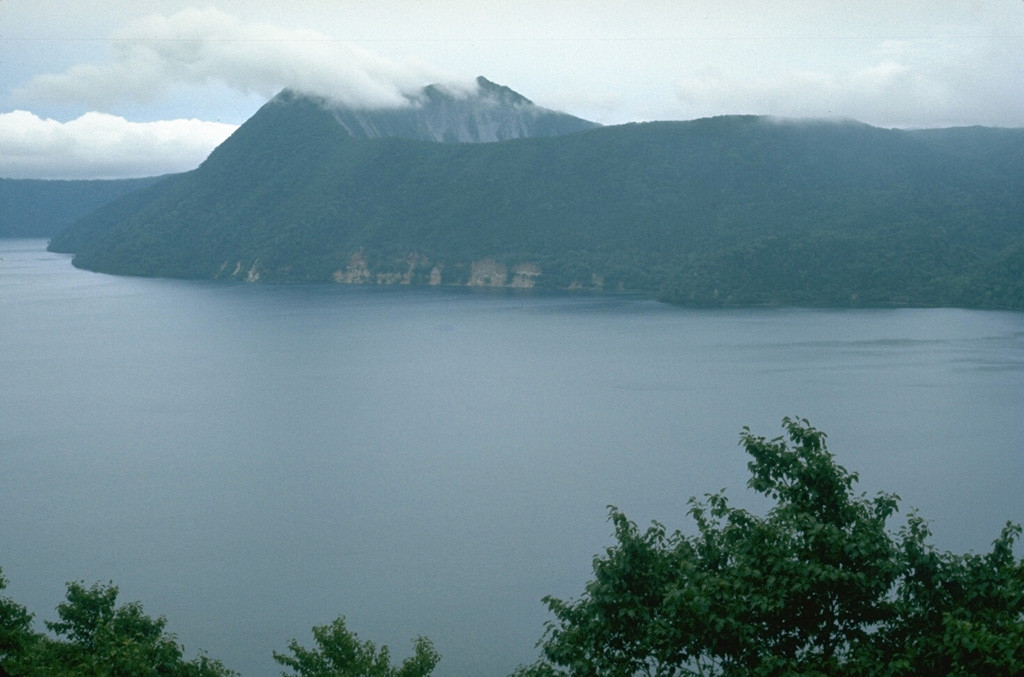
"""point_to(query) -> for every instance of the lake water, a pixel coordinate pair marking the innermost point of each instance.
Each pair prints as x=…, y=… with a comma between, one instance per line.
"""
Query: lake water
x=250, y=461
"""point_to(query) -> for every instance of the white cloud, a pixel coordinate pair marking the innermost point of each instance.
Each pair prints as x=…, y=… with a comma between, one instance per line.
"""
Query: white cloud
x=205, y=46
x=97, y=145
x=895, y=85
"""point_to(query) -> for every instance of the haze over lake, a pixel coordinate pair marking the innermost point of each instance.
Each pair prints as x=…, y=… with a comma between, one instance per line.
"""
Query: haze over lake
x=253, y=460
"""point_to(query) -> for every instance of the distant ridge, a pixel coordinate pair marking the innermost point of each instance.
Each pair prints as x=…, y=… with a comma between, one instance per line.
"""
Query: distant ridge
x=733, y=210
x=492, y=113
x=42, y=208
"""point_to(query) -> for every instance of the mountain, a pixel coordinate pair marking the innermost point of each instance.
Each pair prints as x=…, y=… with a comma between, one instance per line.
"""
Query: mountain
x=492, y=113
x=734, y=210
x=37, y=208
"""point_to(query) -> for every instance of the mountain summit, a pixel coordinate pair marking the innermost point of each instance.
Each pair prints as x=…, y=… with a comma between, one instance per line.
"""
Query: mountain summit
x=491, y=113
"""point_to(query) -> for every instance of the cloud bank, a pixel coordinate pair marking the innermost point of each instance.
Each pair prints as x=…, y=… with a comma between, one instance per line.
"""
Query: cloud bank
x=97, y=145
x=895, y=85
x=208, y=46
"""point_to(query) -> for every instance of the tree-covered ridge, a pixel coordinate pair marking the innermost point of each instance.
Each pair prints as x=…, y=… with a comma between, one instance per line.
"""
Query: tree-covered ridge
x=38, y=208
x=725, y=211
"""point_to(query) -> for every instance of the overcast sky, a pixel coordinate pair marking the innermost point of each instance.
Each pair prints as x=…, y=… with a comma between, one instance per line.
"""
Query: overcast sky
x=117, y=88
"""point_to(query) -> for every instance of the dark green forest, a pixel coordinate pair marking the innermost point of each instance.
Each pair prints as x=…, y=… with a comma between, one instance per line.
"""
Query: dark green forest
x=818, y=585
x=736, y=210
x=38, y=208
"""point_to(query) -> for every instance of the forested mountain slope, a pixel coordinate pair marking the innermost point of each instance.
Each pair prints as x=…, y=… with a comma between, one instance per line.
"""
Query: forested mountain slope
x=719, y=211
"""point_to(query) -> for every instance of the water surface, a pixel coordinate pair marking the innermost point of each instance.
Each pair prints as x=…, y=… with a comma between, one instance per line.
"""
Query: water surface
x=252, y=460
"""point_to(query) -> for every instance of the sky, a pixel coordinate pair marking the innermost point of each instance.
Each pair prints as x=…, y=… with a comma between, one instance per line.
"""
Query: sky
x=126, y=88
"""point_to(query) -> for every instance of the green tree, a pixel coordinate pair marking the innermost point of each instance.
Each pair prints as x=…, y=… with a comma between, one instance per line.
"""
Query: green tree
x=817, y=586
x=956, y=614
x=96, y=638
x=340, y=653
x=16, y=634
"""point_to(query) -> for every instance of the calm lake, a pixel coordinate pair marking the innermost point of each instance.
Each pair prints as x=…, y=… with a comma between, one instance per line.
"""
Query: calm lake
x=250, y=461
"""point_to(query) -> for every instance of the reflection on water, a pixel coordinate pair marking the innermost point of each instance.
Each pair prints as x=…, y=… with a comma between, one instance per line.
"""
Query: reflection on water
x=253, y=460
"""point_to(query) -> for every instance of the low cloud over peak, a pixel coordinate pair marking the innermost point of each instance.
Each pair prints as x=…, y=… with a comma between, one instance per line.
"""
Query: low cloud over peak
x=208, y=46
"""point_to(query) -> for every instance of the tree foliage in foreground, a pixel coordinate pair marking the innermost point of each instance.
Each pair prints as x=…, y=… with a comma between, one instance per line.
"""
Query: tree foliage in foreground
x=94, y=637
x=817, y=586
x=15, y=628
x=340, y=653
